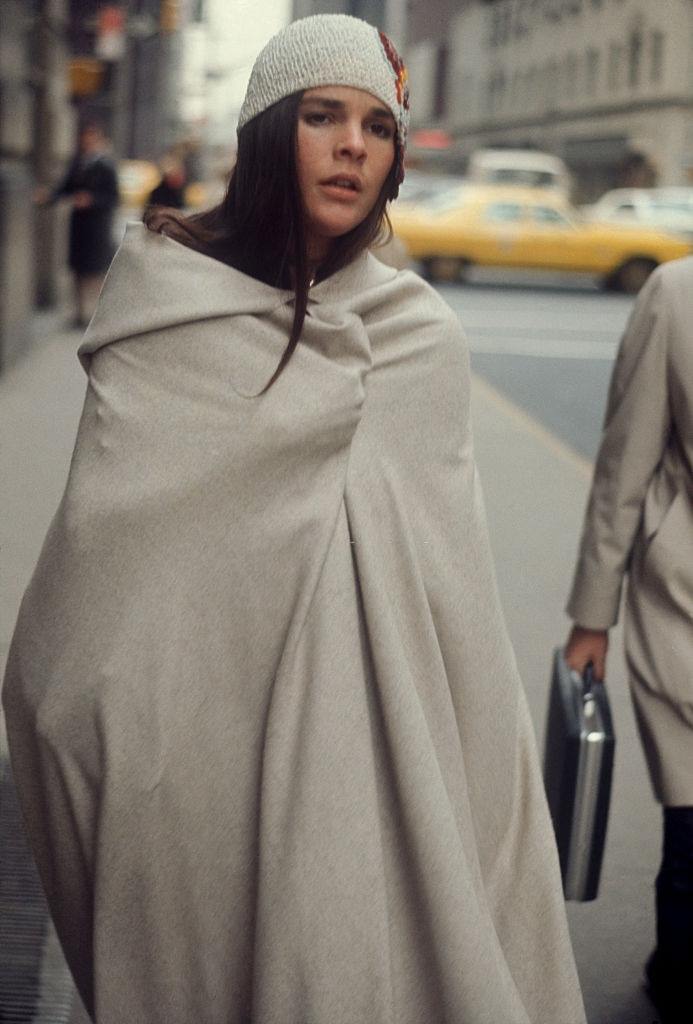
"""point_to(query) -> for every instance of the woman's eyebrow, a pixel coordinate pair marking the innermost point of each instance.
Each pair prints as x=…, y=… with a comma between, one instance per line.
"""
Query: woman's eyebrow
x=381, y=112
x=330, y=104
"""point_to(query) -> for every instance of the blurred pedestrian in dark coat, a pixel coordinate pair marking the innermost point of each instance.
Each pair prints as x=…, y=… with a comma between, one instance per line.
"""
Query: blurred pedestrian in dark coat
x=170, y=191
x=91, y=183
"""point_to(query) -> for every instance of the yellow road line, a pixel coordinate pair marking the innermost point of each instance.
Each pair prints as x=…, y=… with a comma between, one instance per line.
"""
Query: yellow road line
x=535, y=429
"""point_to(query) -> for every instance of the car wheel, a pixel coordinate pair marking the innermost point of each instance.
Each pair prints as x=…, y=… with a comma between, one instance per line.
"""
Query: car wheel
x=632, y=275
x=443, y=268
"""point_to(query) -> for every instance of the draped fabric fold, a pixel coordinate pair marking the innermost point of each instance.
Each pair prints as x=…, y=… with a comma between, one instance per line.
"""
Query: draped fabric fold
x=264, y=717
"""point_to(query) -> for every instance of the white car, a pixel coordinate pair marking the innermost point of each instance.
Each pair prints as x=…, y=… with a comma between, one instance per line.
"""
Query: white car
x=526, y=167
x=670, y=209
x=675, y=197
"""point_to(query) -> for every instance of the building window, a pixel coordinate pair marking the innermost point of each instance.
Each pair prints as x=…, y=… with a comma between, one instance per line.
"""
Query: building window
x=440, y=85
x=489, y=96
x=634, y=58
x=522, y=100
x=592, y=72
x=615, y=66
x=468, y=91
x=543, y=87
x=501, y=92
x=533, y=86
x=514, y=89
x=571, y=86
x=506, y=23
x=499, y=34
x=656, y=56
x=553, y=81
x=496, y=92
x=521, y=16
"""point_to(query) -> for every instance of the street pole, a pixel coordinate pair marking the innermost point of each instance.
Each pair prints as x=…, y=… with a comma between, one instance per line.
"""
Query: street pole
x=122, y=74
x=50, y=31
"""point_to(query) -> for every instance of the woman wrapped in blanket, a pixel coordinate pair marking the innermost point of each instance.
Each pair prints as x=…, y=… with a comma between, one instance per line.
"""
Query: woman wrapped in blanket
x=265, y=720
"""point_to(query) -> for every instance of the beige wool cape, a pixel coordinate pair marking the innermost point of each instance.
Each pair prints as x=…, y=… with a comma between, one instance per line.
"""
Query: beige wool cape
x=265, y=720
x=639, y=523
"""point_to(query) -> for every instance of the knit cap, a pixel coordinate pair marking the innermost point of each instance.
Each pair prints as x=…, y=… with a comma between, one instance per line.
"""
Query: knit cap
x=330, y=49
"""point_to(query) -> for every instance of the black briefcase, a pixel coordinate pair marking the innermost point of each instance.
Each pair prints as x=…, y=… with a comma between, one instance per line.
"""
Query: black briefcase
x=578, y=765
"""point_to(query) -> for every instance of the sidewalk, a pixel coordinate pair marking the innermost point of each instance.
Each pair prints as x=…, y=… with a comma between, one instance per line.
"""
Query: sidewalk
x=40, y=404
x=535, y=492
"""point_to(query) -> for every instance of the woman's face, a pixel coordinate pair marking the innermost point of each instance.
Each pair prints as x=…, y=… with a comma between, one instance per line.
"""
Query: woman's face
x=345, y=149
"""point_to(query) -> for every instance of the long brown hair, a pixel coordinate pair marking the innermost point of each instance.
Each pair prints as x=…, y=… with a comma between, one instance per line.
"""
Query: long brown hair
x=258, y=227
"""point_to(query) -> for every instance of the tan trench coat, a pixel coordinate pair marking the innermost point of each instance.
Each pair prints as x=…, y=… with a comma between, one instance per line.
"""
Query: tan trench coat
x=264, y=716
x=640, y=521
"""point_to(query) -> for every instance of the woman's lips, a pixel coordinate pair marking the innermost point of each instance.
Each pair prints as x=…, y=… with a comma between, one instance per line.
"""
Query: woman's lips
x=339, y=191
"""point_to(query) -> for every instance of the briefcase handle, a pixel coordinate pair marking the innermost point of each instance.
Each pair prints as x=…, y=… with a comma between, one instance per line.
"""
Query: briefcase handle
x=593, y=695
x=589, y=684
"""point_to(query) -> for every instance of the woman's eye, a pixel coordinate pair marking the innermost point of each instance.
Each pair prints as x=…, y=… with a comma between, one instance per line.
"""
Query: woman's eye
x=317, y=118
x=383, y=131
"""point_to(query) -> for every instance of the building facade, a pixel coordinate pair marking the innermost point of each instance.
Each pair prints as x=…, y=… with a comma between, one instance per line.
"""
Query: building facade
x=36, y=128
x=390, y=15
x=605, y=84
x=56, y=68
x=136, y=97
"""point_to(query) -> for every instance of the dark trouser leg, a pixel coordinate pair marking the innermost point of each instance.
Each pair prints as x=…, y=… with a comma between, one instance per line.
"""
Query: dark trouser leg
x=87, y=287
x=671, y=970
x=78, y=318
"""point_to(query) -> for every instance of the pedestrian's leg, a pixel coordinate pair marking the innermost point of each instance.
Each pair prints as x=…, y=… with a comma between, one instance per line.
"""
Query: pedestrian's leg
x=670, y=970
x=92, y=288
x=78, y=319
x=87, y=288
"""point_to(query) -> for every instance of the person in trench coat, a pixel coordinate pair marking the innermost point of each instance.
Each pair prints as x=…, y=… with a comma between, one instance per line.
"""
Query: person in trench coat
x=91, y=185
x=265, y=721
x=639, y=523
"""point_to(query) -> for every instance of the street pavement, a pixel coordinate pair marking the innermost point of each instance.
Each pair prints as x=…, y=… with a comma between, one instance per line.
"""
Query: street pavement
x=535, y=485
x=550, y=348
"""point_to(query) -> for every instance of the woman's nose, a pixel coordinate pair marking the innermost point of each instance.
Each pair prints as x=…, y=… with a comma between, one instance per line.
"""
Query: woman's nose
x=352, y=142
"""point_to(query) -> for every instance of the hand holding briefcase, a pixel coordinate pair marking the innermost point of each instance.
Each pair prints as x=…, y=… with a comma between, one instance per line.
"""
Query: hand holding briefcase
x=578, y=765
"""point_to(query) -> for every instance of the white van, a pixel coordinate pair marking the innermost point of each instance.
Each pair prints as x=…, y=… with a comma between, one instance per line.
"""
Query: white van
x=519, y=167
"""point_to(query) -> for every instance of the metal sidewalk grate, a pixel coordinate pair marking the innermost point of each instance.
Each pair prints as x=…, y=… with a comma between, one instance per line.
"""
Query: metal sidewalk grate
x=34, y=982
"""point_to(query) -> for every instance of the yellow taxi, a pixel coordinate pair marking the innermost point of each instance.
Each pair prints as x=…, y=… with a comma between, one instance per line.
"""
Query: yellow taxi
x=515, y=227
x=136, y=179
